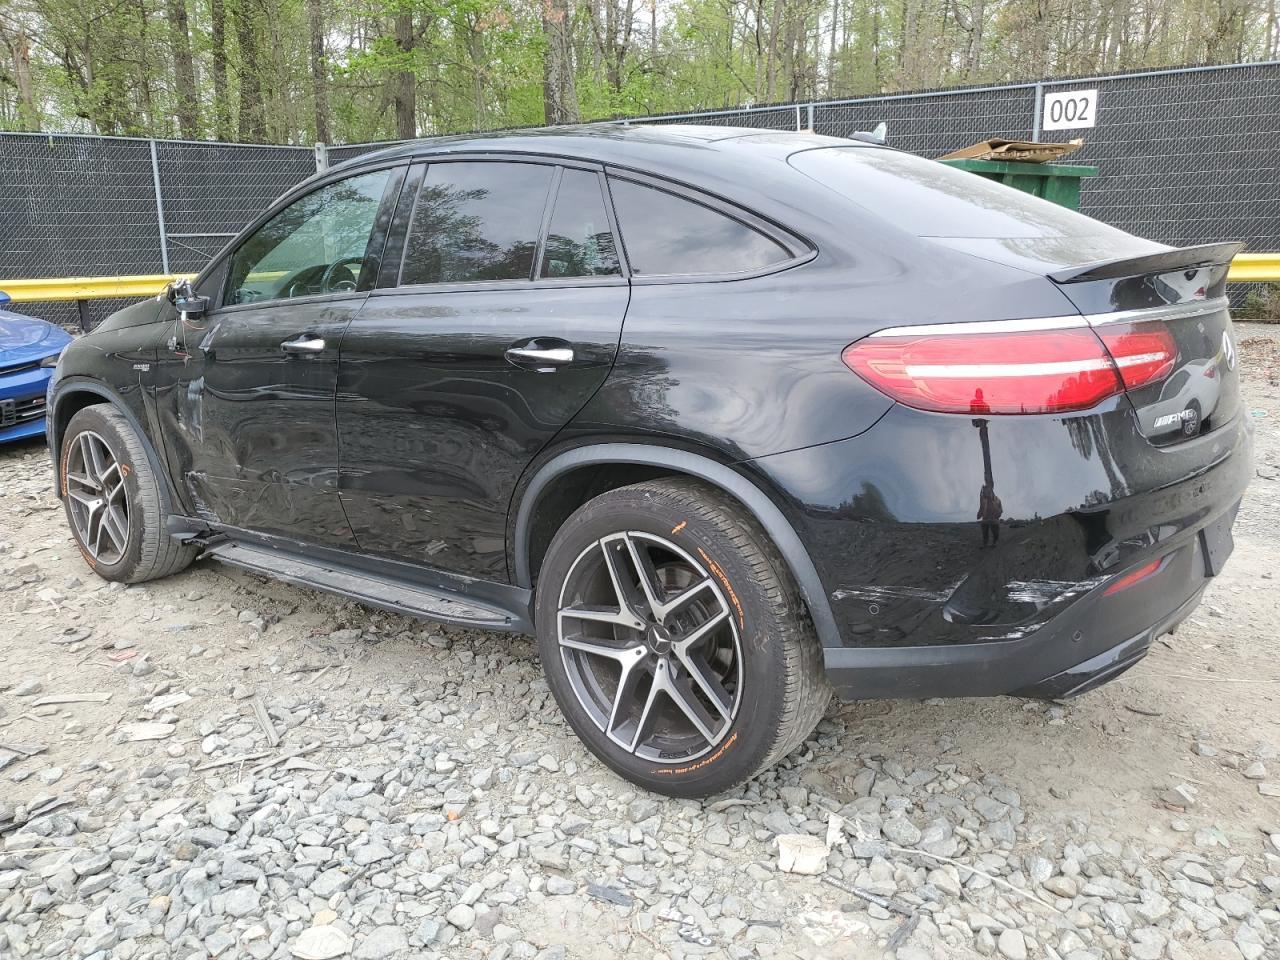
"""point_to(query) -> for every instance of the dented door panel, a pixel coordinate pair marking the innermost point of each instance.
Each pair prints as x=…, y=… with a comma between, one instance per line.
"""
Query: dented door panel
x=249, y=427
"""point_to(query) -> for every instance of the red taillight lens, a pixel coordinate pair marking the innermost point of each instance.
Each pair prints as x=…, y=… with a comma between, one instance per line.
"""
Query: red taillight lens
x=1041, y=371
x=985, y=371
x=1144, y=353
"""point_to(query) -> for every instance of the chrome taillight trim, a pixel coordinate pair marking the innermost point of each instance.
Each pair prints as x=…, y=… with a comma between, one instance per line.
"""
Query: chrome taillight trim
x=1173, y=311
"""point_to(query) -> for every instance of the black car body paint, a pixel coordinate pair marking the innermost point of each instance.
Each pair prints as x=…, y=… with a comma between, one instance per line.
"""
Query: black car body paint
x=410, y=445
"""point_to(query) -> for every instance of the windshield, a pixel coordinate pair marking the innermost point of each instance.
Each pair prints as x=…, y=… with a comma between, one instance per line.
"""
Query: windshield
x=931, y=199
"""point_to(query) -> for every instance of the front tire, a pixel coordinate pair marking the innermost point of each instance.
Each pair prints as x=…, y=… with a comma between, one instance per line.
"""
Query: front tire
x=674, y=639
x=113, y=500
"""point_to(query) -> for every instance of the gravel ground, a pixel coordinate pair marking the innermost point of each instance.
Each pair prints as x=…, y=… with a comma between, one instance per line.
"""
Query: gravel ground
x=426, y=799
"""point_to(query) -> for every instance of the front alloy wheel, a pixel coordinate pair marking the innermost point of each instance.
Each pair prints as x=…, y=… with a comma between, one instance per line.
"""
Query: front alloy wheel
x=114, y=498
x=96, y=500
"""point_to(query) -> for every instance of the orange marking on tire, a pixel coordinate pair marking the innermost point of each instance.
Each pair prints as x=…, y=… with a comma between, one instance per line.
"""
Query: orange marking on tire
x=706, y=761
x=125, y=469
x=66, y=458
x=679, y=526
x=715, y=569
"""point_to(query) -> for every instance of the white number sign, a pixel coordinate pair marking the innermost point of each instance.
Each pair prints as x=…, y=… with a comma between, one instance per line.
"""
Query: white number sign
x=1070, y=110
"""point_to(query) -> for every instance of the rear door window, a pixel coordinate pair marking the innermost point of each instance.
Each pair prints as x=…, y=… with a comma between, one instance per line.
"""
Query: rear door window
x=476, y=221
x=667, y=235
x=579, y=240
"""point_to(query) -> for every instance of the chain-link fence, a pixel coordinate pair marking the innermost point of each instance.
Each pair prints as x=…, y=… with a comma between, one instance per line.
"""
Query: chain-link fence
x=1184, y=156
x=101, y=206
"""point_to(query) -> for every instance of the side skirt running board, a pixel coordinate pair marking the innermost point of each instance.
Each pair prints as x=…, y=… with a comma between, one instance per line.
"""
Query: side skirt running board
x=386, y=593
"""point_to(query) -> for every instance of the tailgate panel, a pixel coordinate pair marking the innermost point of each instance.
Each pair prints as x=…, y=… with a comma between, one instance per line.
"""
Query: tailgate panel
x=1185, y=290
x=1203, y=391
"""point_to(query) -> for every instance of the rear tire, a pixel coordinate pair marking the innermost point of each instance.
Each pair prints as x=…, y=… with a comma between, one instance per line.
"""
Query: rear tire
x=113, y=499
x=729, y=647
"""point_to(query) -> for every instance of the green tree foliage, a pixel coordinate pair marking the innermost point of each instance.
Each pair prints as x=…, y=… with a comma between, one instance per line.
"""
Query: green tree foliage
x=288, y=70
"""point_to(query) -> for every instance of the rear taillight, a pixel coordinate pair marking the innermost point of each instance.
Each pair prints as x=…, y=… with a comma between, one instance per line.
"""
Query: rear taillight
x=981, y=369
x=1144, y=352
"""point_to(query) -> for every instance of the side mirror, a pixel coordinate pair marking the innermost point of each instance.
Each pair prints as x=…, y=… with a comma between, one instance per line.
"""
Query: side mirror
x=184, y=298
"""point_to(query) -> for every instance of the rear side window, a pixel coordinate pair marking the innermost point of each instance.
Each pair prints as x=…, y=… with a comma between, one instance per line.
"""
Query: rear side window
x=929, y=199
x=667, y=235
x=580, y=240
x=476, y=221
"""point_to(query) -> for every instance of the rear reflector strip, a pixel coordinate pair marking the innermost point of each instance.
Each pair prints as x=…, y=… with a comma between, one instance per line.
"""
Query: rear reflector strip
x=1134, y=577
x=967, y=370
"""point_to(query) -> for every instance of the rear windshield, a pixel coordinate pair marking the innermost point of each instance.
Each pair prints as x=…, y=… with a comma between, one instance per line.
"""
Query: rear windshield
x=930, y=199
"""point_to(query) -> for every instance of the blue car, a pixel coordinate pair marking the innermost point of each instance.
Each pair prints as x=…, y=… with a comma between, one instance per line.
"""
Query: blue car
x=29, y=350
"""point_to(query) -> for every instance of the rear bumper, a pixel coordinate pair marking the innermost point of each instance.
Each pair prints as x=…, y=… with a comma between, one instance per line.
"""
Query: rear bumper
x=1078, y=651
x=929, y=601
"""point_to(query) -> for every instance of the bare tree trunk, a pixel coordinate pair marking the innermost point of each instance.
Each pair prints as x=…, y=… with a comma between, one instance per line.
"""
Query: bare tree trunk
x=406, y=93
x=597, y=50
x=908, y=78
x=771, y=51
x=653, y=33
x=977, y=14
x=796, y=52
x=621, y=42
x=475, y=49
x=876, y=61
x=280, y=107
x=831, y=53
x=20, y=53
x=319, y=69
x=218, y=35
x=789, y=65
x=184, y=72
x=253, y=124
x=559, y=91
x=759, y=47
x=144, y=80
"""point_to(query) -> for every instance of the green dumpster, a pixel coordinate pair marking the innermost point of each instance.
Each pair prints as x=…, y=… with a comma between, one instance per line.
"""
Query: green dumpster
x=1058, y=182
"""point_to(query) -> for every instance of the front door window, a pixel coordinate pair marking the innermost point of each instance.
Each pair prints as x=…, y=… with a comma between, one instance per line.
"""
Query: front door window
x=316, y=245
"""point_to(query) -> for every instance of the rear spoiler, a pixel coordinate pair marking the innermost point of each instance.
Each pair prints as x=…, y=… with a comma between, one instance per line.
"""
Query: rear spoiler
x=1184, y=258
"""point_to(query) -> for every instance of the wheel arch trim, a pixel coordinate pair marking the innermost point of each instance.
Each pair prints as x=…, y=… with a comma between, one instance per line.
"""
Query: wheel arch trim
x=762, y=508
x=74, y=385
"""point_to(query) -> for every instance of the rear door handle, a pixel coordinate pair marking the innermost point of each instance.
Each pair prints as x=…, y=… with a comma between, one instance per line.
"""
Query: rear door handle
x=543, y=354
x=304, y=343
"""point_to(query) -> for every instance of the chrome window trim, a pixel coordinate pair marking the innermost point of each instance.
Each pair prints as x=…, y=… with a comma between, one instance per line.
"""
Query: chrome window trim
x=1173, y=311
x=986, y=326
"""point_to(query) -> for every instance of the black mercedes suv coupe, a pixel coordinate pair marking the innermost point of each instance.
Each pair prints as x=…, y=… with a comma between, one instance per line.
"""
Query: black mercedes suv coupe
x=730, y=420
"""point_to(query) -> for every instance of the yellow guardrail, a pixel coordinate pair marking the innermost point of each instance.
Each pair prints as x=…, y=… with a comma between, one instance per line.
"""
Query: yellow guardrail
x=1246, y=268
x=1255, y=268
x=88, y=288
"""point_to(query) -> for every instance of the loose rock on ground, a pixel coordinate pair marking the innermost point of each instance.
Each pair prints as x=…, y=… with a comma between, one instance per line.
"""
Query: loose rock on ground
x=427, y=800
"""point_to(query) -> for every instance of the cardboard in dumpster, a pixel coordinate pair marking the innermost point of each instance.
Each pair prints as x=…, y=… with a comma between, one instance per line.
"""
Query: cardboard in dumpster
x=1015, y=151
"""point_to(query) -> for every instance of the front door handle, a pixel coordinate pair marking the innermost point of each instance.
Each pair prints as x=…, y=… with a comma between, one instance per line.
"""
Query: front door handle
x=304, y=343
x=543, y=355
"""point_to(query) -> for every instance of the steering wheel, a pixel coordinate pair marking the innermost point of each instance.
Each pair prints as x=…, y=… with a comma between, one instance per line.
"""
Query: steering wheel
x=327, y=284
